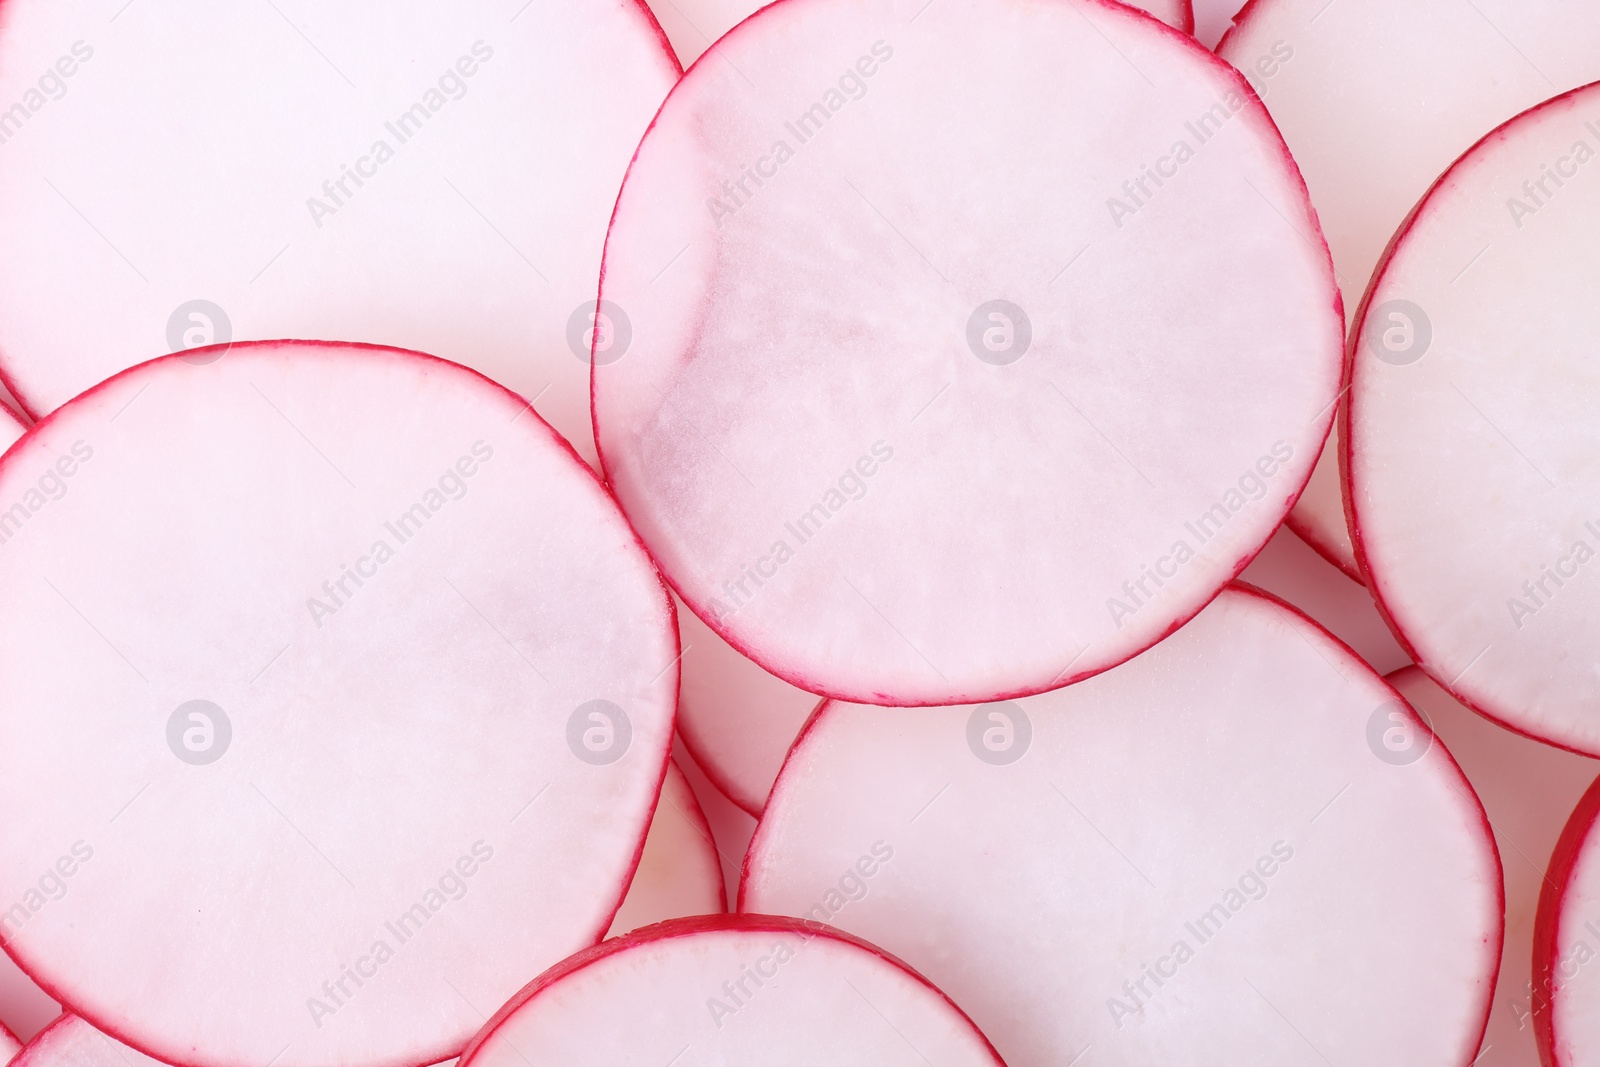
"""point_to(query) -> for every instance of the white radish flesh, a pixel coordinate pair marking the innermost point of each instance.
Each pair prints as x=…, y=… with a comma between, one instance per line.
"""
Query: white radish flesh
x=355, y=673
x=734, y=990
x=849, y=459
x=1152, y=864
x=431, y=176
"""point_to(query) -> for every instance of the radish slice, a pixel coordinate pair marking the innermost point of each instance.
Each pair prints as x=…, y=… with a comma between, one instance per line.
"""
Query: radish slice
x=692, y=25
x=1376, y=98
x=11, y=428
x=1566, y=1000
x=737, y=720
x=899, y=440
x=1528, y=790
x=678, y=872
x=71, y=1042
x=1473, y=394
x=433, y=176
x=9, y=1045
x=354, y=673
x=1151, y=865
x=733, y=989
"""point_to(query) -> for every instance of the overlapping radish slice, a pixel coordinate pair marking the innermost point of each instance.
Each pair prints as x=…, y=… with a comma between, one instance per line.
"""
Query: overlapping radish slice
x=11, y=428
x=1528, y=789
x=359, y=695
x=433, y=176
x=1376, y=99
x=678, y=872
x=1566, y=995
x=71, y=1042
x=1473, y=454
x=900, y=437
x=736, y=719
x=1240, y=847
x=731, y=989
x=9, y=1045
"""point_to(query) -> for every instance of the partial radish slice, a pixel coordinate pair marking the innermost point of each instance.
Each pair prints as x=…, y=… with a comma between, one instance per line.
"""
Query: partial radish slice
x=900, y=440
x=354, y=672
x=736, y=719
x=692, y=25
x=1212, y=18
x=1528, y=790
x=1566, y=1005
x=11, y=428
x=1240, y=847
x=734, y=989
x=71, y=1042
x=25, y=1009
x=1472, y=449
x=678, y=872
x=9, y=1045
x=1334, y=77
x=433, y=176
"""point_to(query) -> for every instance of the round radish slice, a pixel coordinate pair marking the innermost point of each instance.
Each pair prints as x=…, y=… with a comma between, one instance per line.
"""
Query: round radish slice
x=898, y=439
x=1471, y=449
x=71, y=1042
x=354, y=672
x=678, y=872
x=737, y=720
x=731, y=989
x=1566, y=992
x=1334, y=77
x=1240, y=847
x=1528, y=790
x=433, y=176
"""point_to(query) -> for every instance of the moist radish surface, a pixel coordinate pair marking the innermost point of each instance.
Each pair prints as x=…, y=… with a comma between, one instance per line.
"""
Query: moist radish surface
x=1375, y=99
x=360, y=693
x=732, y=989
x=1240, y=847
x=1472, y=441
x=902, y=439
x=433, y=176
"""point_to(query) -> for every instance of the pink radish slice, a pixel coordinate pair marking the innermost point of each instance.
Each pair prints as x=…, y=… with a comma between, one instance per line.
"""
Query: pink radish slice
x=1334, y=77
x=1528, y=790
x=11, y=428
x=71, y=1042
x=1472, y=440
x=1566, y=1009
x=692, y=25
x=432, y=176
x=678, y=872
x=736, y=719
x=731, y=989
x=1212, y=18
x=1240, y=847
x=354, y=672
x=846, y=487
x=9, y=1045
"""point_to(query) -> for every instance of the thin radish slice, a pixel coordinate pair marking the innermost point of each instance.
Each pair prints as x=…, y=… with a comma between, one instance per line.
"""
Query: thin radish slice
x=898, y=439
x=1528, y=790
x=11, y=428
x=678, y=872
x=692, y=25
x=1375, y=98
x=737, y=720
x=433, y=176
x=1212, y=19
x=1150, y=864
x=354, y=672
x=71, y=1042
x=733, y=989
x=1566, y=1007
x=9, y=1045
x=1472, y=446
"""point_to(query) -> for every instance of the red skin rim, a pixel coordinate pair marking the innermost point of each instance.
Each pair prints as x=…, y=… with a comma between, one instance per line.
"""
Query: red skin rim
x=32, y=409
x=1253, y=107
x=1347, y=413
x=6, y=1035
x=24, y=1058
x=1486, y=830
x=111, y=1028
x=697, y=816
x=689, y=927
x=1547, y=921
x=717, y=774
